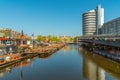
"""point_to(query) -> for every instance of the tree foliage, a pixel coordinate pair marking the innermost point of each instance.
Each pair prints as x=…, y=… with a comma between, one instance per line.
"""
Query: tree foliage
x=5, y=32
x=20, y=49
x=41, y=38
x=50, y=38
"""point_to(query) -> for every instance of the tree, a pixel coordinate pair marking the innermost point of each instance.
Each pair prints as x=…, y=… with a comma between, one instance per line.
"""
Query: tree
x=76, y=39
x=5, y=32
x=41, y=38
x=49, y=37
x=53, y=38
x=71, y=39
x=64, y=39
x=20, y=49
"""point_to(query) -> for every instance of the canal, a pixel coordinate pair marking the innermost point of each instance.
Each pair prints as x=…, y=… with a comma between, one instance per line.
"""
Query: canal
x=69, y=63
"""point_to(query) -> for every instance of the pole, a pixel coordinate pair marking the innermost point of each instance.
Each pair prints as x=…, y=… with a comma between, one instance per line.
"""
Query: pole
x=33, y=40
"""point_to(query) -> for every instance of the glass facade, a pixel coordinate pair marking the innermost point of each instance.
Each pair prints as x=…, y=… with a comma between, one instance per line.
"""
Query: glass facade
x=99, y=18
x=111, y=27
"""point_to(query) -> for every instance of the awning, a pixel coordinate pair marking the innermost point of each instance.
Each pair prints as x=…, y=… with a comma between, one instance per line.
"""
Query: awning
x=3, y=39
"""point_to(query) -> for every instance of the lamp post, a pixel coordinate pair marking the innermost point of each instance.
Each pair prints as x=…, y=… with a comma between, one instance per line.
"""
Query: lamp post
x=9, y=35
x=22, y=34
x=33, y=40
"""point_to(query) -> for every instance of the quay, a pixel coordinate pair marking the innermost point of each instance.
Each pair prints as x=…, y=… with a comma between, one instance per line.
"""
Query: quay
x=106, y=64
x=30, y=54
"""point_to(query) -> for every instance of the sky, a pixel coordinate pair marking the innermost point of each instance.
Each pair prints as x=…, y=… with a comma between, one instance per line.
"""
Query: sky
x=54, y=17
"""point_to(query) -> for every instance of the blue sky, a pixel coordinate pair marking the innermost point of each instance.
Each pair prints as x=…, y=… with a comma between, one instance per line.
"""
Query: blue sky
x=55, y=17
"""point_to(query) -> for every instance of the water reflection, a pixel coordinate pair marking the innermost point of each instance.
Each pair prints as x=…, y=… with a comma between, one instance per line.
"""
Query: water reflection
x=45, y=56
x=96, y=67
x=20, y=65
x=76, y=64
x=7, y=70
x=68, y=48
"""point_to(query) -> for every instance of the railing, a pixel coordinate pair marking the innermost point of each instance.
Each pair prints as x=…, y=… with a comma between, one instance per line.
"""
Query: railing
x=102, y=36
x=110, y=43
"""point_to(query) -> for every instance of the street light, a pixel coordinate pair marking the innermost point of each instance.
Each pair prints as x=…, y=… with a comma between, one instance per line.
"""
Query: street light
x=22, y=34
x=33, y=40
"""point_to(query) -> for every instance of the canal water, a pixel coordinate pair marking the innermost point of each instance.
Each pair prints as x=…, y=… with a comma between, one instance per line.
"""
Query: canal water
x=69, y=63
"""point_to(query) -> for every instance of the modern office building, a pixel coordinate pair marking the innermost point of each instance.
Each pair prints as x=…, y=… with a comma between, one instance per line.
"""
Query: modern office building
x=111, y=27
x=99, y=19
x=89, y=22
x=93, y=21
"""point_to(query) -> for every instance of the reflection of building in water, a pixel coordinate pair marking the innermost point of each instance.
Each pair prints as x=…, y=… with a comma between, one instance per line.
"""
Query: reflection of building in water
x=25, y=63
x=2, y=73
x=89, y=70
x=45, y=56
x=21, y=74
x=8, y=70
x=104, y=65
x=101, y=74
x=68, y=48
x=21, y=64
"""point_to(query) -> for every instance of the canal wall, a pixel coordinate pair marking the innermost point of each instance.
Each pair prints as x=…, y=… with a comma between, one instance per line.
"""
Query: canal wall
x=107, y=64
x=103, y=50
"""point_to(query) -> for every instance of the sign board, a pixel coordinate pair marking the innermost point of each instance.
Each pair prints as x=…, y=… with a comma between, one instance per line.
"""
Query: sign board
x=32, y=35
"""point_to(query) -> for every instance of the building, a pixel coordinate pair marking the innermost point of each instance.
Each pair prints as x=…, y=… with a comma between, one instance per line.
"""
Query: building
x=111, y=27
x=11, y=35
x=93, y=21
x=99, y=19
x=89, y=22
x=3, y=39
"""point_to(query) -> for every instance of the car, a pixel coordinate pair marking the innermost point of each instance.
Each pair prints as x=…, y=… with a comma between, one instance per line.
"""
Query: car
x=9, y=43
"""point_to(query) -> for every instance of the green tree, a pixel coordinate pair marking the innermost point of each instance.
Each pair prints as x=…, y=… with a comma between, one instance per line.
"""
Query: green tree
x=71, y=39
x=41, y=38
x=75, y=39
x=64, y=39
x=5, y=32
x=49, y=38
x=20, y=49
